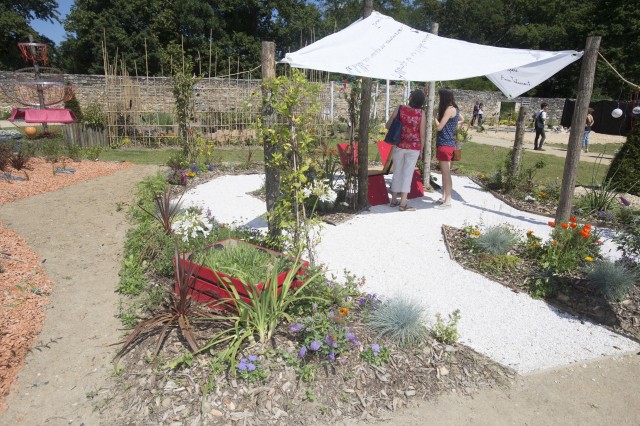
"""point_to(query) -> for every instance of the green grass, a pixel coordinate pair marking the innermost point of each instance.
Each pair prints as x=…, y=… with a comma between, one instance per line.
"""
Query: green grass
x=478, y=158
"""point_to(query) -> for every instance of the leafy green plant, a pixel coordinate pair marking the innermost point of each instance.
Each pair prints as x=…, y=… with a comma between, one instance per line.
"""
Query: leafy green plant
x=307, y=372
x=326, y=293
x=401, y=319
x=376, y=354
x=447, y=332
x=243, y=261
x=94, y=116
x=51, y=149
x=569, y=245
x=74, y=106
x=498, y=263
x=628, y=240
x=613, y=279
x=497, y=240
x=132, y=280
x=177, y=161
x=252, y=370
x=324, y=335
x=92, y=152
x=73, y=151
x=543, y=285
x=624, y=168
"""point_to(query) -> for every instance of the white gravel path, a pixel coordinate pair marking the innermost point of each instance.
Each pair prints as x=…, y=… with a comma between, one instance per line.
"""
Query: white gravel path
x=406, y=254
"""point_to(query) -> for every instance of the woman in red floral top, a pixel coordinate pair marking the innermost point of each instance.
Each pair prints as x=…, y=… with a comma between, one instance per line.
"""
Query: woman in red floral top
x=409, y=150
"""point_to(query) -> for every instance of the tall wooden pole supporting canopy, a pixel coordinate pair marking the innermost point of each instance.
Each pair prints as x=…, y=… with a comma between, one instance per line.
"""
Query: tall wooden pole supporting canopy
x=426, y=154
x=585, y=88
x=363, y=139
x=272, y=180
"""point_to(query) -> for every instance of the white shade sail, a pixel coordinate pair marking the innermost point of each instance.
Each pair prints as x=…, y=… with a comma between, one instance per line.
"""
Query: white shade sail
x=380, y=47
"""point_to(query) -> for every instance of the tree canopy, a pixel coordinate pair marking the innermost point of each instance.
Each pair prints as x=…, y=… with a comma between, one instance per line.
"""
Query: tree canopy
x=229, y=32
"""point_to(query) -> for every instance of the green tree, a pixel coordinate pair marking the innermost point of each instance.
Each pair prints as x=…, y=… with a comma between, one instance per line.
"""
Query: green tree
x=625, y=168
x=15, y=21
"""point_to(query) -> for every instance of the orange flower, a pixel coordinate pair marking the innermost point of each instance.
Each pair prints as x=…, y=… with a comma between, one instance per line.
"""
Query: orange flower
x=552, y=224
x=554, y=243
x=529, y=232
x=587, y=227
x=572, y=219
x=343, y=311
x=573, y=226
x=565, y=225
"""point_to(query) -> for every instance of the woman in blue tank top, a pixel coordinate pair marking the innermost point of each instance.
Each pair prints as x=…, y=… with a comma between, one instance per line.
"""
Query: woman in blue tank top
x=447, y=120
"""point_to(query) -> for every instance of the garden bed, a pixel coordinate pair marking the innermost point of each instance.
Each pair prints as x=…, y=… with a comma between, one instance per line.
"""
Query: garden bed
x=575, y=295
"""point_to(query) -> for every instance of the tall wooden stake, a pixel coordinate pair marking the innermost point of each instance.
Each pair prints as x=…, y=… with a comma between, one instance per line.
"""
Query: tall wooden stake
x=516, y=153
x=363, y=144
x=585, y=88
x=426, y=155
x=272, y=179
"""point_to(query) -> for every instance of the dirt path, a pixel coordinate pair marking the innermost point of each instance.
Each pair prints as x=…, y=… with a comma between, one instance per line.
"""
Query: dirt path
x=602, y=392
x=78, y=232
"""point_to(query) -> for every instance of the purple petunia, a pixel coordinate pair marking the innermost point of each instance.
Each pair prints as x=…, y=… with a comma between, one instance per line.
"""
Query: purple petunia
x=315, y=345
x=295, y=328
x=302, y=352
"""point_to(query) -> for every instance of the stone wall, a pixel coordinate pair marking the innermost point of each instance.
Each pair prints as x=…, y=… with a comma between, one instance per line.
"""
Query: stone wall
x=153, y=95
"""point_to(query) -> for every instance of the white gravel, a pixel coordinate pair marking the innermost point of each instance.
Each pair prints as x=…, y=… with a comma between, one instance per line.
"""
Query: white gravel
x=404, y=253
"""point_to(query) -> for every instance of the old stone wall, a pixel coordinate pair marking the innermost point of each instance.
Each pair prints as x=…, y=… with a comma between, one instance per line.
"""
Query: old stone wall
x=154, y=95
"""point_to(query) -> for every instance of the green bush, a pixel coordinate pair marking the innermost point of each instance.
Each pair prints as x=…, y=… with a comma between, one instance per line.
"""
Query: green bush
x=447, y=332
x=625, y=168
x=496, y=240
x=94, y=116
x=74, y=106
x=73, y=151
x=401, y=319
x=613, y=279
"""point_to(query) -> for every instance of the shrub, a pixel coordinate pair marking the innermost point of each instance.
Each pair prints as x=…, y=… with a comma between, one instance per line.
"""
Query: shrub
x=613, y=279
x=625, y=167
x=628, y=240
x=5, y=156
x=20, y=159
x=569, y=246
x=74, y=106
x=73, y=151
x=400, y=319
x=92, y=152
x=497, y=240
x=94, y=116
x=51, y=150
x=447, y=332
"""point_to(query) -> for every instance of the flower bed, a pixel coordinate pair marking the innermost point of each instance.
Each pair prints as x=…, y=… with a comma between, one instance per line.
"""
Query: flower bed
x=211, y=286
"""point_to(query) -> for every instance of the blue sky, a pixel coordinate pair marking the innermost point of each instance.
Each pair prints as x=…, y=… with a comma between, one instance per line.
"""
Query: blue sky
x=54, y=31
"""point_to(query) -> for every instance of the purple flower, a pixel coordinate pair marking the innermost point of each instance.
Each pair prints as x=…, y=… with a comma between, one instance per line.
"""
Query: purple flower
x=242, y=366
x=355, y=343
x=329, y=283
x=375, y=348
x=625, y=202
x=251, y=367
x=330, y=342
x=332, y=356
x=295, y=328
x=253, y=358
x=350, y=336
x=315, y=345
x=302, y=352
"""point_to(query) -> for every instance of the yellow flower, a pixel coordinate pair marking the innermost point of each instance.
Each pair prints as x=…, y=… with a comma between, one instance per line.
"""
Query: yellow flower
x=191, y=174
x=476, y=232
x=589, y=259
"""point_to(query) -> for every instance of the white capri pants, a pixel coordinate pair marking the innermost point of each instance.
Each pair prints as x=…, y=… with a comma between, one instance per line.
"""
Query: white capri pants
x=404, y=163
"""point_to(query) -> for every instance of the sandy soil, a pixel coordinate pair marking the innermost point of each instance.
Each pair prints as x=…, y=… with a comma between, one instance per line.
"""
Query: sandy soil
x=562, y=137
x=78, y=233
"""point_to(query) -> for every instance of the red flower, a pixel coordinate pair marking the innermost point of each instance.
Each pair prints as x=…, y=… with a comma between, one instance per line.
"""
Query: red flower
x=587, y=227
x=573, y=226
x=565, y=225
x=552, y=224
x=572, y=219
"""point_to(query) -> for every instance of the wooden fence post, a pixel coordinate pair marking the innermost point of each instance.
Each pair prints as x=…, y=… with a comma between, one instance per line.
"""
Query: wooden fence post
x=516, y=153
x=363, y=144
x=572, y=161
x=272, y=180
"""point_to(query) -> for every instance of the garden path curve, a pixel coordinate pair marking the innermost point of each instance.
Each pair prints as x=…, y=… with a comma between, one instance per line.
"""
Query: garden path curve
x=404, y=253
x=78, y=232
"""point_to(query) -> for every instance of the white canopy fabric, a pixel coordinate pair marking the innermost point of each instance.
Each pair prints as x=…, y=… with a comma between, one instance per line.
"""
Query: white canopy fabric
x=380, y=47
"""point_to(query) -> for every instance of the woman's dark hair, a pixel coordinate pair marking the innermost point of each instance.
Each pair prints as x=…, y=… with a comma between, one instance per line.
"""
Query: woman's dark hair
x=446, y=100
x=416, y=99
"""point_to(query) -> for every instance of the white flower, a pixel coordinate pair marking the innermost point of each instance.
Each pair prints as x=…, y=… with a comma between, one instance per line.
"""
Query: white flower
x=191, y=224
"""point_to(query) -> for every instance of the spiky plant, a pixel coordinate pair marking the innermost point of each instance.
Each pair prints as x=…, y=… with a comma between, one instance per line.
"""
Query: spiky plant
x=400, y=319
x=497, y=240
x=613, y=279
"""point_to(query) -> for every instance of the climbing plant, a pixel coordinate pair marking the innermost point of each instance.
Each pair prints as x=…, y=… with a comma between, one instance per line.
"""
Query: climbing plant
x=293, y=135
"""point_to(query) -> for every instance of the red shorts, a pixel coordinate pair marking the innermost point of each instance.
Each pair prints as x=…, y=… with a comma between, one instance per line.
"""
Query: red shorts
x=444, y=153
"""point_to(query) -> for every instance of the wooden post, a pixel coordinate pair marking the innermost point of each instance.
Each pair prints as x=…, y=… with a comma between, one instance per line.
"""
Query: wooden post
x=363, y=144
x=426, y=154
x=272, y=180
x=516, y=153
x=585, y=88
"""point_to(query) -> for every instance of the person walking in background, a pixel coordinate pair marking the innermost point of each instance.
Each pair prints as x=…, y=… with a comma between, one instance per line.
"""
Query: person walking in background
x=407, y=152
x=476, y=108
x=587, y=130
x=480, y=115
x=541, y=117
x=447, y=120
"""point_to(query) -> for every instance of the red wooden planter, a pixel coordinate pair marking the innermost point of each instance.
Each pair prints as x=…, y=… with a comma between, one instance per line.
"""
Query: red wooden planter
x=210, y=286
